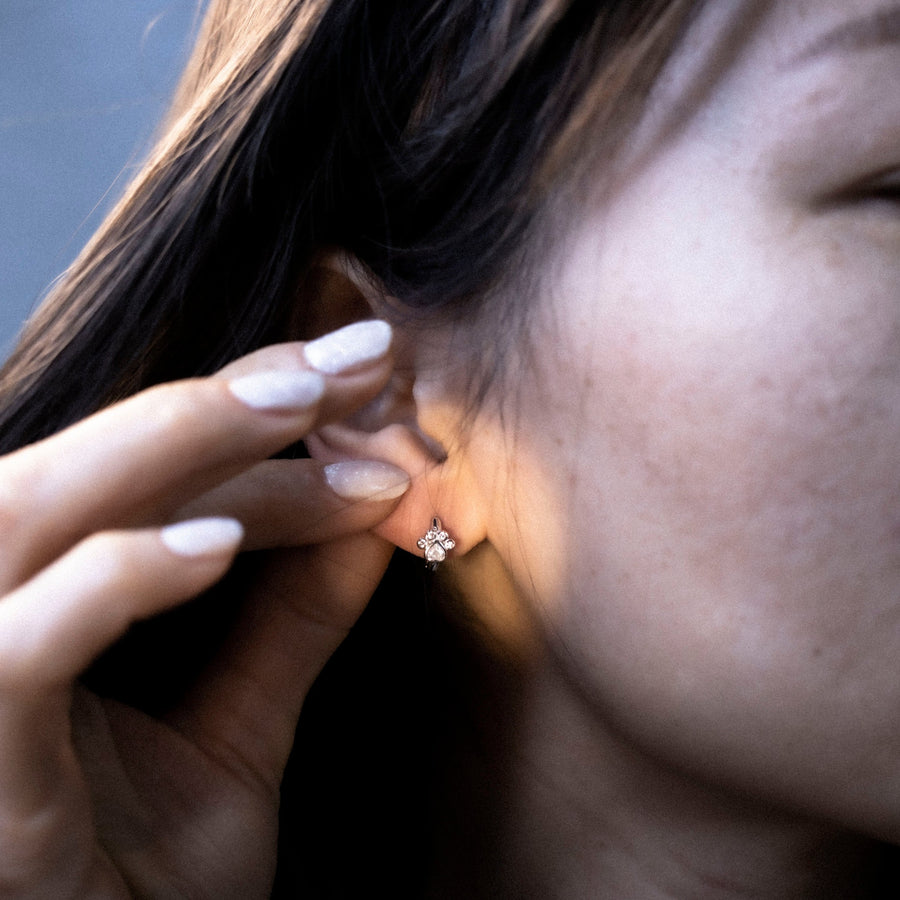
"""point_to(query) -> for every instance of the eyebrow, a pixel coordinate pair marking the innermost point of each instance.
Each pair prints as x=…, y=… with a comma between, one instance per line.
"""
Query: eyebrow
x=865, y=33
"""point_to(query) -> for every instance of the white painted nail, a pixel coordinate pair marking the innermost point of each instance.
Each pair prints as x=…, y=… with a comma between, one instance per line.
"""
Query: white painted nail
x=353, y=345
x=366, y=480
x=203, y=537
x=281, y=390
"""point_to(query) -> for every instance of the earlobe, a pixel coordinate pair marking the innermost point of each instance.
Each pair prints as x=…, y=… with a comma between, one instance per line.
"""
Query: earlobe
x=387, y=429
x=438, y=488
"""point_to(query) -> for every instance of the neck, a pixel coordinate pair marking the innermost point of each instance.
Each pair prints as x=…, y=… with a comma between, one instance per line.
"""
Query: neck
x=547, y=801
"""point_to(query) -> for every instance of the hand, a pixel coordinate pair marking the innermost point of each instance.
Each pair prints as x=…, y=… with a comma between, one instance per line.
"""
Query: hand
x=97, y=799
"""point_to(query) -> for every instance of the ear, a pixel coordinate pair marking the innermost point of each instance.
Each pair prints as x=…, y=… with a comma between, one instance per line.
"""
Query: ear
x=337, y=291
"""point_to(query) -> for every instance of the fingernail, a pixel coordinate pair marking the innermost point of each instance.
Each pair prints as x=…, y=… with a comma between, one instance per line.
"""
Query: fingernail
x=203, y=537
x=350, y=346
x=279, y=390
x=366, y=480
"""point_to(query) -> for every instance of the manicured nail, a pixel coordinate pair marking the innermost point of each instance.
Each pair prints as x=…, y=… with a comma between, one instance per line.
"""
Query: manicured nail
x=285, y=391
x=203, y=537
x=350, y=346
x=366, y=480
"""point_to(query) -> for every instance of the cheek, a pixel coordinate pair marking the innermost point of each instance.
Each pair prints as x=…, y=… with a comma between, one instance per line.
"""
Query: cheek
x=740, y=478
x=731, y=583
x=728, y=433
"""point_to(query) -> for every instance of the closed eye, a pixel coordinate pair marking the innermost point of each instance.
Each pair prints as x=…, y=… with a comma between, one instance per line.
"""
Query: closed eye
x=882, y=188
x=885, y=186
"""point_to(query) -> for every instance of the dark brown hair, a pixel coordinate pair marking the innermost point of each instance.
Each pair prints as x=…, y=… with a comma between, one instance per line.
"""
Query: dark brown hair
x=422, y=136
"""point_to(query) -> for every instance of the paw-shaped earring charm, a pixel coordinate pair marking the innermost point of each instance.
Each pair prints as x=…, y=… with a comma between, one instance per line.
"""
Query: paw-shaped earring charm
x=436, y=543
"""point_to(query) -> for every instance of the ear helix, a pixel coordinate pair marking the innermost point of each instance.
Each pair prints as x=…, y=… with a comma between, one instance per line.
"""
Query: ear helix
x=436, y=543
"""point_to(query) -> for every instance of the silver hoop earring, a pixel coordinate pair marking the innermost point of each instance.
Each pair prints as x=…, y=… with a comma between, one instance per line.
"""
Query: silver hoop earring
x=436, y=543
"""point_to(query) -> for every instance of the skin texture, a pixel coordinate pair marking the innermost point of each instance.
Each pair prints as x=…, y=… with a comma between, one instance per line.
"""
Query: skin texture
x=693, y=487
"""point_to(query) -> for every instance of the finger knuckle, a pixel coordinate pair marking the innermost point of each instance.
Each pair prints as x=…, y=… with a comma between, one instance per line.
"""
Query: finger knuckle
x=30, y=844
x=20, y=672
x=106, y=557
x=17, y=487
x=31, y=647
x=25, y=499
x=26, y=659
x=176, y=408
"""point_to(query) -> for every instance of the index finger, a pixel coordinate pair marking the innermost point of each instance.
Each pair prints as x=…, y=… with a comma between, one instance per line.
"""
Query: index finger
x=155, y=451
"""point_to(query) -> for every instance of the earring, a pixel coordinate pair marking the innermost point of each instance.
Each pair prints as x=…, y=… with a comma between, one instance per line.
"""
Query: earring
x=435, y=543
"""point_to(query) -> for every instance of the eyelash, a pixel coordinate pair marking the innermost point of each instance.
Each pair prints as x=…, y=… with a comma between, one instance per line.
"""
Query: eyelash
x=884, y=188
x=891, y=193
x=879, y=190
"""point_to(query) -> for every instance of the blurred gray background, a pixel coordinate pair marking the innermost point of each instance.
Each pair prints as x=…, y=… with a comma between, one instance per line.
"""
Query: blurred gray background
x=83, y=84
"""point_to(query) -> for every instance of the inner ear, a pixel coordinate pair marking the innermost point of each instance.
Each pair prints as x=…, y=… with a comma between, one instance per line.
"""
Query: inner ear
x=331, y=294
x=395, y=404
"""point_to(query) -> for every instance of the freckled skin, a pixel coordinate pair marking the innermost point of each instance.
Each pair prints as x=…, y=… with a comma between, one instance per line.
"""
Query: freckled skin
x=707, y=478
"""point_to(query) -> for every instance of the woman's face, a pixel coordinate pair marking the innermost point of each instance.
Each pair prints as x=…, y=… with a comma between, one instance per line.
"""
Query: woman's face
x=702, y=491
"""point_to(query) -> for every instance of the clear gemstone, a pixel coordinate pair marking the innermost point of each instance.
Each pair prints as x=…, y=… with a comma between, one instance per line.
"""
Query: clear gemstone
x=435, y=553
